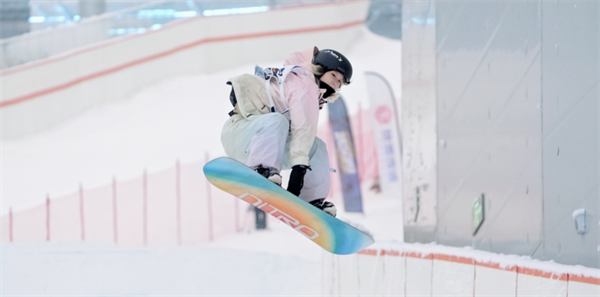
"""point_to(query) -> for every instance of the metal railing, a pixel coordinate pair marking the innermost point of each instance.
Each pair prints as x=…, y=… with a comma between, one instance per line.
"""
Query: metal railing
x=48, y=42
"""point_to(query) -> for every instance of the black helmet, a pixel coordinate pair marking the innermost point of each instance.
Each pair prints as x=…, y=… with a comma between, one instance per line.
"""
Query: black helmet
x=333, y=60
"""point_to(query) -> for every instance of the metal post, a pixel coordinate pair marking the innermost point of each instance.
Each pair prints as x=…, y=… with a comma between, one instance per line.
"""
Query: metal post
x=114, y=199
x=47, y=217
x=145, y=207
x=81, y=212
x=209, y=204
x=178, y=198
x=10, y=224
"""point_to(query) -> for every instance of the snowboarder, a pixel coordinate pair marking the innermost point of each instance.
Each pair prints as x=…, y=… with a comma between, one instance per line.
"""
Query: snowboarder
x=273, y=125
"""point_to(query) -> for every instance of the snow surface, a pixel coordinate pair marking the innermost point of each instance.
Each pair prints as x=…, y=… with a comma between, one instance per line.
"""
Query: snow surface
x=273, y=262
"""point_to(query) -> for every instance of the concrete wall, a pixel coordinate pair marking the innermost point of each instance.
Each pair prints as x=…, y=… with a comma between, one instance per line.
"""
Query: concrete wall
x=501, y=101
x=41, y=94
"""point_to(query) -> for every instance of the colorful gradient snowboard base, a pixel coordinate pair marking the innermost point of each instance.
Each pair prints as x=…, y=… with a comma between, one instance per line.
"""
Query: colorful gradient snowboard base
x=328, y=232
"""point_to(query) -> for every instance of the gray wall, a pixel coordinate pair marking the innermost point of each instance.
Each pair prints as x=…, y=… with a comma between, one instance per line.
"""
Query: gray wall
x=515, y=107
x=570, y=129
x=419, y=138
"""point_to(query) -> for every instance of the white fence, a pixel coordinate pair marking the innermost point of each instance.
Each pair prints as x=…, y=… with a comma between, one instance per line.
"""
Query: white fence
x=426, y=270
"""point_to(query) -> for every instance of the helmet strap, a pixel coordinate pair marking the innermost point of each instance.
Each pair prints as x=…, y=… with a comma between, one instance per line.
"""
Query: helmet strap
x=328, y=89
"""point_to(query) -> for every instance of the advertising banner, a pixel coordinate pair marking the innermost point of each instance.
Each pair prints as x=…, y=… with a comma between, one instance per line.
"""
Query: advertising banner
x=387, y=134
x=346, y=155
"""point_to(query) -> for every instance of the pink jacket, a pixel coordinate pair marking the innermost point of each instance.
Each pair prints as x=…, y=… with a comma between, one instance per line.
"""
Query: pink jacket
x=302, y=96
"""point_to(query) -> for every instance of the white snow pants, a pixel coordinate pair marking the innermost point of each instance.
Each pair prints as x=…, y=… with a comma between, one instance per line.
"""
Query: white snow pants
x=265, y=139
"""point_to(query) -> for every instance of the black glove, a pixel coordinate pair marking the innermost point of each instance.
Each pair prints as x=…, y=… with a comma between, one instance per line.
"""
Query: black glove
x=297, y=179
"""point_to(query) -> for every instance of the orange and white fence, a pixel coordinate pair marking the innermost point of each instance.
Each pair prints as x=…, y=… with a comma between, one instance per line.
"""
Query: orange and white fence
x=176, y=206
x=425, y=270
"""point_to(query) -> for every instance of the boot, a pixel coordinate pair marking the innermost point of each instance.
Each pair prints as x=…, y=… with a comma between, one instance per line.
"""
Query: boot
x=270, y=173
x=325, y=206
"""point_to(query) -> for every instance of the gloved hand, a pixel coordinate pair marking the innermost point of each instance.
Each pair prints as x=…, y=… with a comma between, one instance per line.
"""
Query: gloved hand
x=296, y=181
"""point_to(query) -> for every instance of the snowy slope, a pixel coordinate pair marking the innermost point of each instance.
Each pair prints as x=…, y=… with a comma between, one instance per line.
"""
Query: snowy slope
x=248, y=264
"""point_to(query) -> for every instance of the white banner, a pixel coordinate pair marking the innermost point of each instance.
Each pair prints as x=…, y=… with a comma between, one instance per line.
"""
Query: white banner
x=386, y=127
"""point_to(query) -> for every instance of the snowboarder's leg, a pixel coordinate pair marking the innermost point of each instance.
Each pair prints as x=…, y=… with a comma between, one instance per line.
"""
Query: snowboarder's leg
x=258, y=140
x=317, y=180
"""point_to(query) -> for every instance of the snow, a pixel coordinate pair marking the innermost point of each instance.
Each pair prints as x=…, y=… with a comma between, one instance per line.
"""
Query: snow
x=273, y=262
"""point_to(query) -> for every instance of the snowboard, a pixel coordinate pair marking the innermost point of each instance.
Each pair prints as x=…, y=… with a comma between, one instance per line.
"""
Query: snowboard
x=330, y=233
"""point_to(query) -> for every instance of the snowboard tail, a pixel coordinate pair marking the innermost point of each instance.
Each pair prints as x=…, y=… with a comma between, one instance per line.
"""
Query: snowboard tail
x=328, y=232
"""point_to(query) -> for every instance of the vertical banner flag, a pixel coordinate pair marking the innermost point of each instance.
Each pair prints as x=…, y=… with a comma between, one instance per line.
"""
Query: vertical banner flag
x=346, y=155
x=387, y=134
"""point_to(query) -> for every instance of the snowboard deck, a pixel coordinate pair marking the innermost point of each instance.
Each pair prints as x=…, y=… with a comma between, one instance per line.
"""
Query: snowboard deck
x=330, y=233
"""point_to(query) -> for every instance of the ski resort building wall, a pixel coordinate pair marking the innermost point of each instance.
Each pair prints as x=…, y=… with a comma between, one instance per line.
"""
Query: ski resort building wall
x=500, y=112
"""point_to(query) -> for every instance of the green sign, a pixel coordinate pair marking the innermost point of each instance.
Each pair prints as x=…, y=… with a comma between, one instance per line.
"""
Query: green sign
x=478, y=213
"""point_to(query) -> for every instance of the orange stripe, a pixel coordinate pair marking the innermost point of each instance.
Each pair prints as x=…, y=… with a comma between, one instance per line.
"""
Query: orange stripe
x=368, y=252
x=455, y=259
x=372, y=252
x=541, y=273
x=465, y=260
x=585, y=279
x=390, y=253
x=167, y=53
x=418, y=255
x=495, y=266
